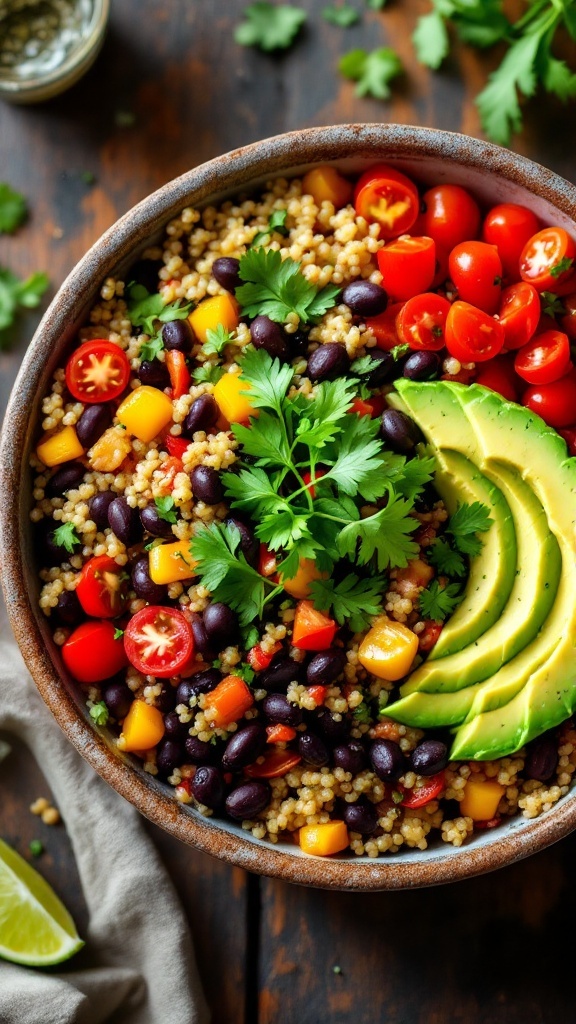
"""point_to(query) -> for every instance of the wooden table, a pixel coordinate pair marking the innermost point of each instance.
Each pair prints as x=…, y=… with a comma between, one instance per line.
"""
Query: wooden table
x=171, y=89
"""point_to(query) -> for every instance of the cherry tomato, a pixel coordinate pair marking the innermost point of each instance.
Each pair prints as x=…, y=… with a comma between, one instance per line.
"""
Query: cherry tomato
x=383, y=327
x=421, y=321
x=568, y=318
x=407, y=266
x=99, y=588
x=555, y=402
x=476, y=270
x=97, y=371
x=544, y=359
x=275, y=764
x=180, y=378
x=159, y=641
x=450, y=216
x=91, y=653
x=509, y=226
x=429, y=790
x=471, y=335
x=519, y=313
x=388, y=197
x=499, y=375
x=547, y=260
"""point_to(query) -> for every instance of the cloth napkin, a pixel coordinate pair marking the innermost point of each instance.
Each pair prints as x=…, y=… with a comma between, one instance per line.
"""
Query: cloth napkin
x=142, y=968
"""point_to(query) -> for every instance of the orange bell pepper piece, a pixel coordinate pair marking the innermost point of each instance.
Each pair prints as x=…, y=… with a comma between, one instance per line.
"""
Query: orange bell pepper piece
x=326, y=183
x=322, y=840
x=231, y=699
x=481, y=798
x=142, y=728
x=313, y=630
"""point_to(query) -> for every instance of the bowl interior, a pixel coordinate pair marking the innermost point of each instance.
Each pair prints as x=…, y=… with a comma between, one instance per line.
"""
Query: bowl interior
x=493, y=175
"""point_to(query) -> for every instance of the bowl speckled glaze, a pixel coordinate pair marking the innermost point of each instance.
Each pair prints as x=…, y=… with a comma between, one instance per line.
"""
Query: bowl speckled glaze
x=493, y=174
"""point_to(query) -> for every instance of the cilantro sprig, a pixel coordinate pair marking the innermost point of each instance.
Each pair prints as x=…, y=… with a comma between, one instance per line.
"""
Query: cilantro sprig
x=275, y=287
x=437, y=602
x=16, y=295
x=145, y=309
x=165, y=508
x=276, y=224
x=466, y=523
x=352, y=600
x=65, y=536
x=270, y=26
x=372, y=71
x=13, y=209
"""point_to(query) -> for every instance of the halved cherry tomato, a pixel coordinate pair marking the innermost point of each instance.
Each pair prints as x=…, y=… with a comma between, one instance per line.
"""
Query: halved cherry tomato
x=159, y=641
x=568, y=318
x=544, y=359
x=421, y=795
x=388, y=197
x=476, y=270
x=450, y=215
x=383, y=327
x=547, y=260
x=407, y=265
x=100, y=589
x=509, y=226
x=97, y=371
x=180, y=378
x=275, y=764
x=318, y=693
x=91, y=653
x=471, y=335
x=519, y=313
x=555, y=402
x=176, y=446
x=421, y=321
x=499, y=375
x=313, y=630
x=258, y=659
x=280, y=733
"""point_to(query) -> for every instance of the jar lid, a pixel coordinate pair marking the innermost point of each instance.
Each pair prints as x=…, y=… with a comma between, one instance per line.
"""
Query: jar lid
x=47, y=45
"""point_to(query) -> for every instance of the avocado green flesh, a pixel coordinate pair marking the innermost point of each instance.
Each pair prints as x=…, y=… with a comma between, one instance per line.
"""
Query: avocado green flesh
x=430, y=710
x=491, y=576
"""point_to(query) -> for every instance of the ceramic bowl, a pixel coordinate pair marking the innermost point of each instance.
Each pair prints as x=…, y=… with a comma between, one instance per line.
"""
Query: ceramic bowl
x=494, y=175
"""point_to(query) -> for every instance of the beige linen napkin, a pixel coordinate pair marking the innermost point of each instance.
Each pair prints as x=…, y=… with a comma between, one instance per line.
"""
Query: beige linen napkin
x=142, y=968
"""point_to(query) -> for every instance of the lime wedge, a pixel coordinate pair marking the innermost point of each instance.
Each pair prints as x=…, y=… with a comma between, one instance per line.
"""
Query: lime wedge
x=35, y=927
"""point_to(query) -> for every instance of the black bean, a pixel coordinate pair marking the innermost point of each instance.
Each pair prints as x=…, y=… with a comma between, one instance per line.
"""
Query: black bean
x=399, y=432
x=118, y=699
x=200, y=682
x=382, y=370
x=299, y=342
x=387, y=759
x=220, y=623
x=69, y=611
x=165, y=701
x=154, y=524
x=244, y=747
x=247, y=800
x=270, y=336
x=169, y=754
x=333, y=729
x=313, y=750
x=365, y=298
x=177, y=334
x=208, y=787
x=66, y=478
x=203, y=414
x=154, y=374
x=145, y=272
x=281, y=672
x=429, y=757
x=124, y=521
x=143, y=584
x=226, y=271
x=278, y=709
x=95, y=419
x=201, y=641
x=328, y=362
x=51, y=552
x=542, y=757
x=325, y=667
x=249, y=544
x=421, y=366
x=361, y=817
x=206, y=485
x=98, y=508
x=351, y=757
x=200, y=752
x=174, y=728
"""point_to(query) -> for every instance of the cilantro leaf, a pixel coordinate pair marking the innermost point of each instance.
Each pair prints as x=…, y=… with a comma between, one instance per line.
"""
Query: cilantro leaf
x=283, y=529
x=498, y=105
x=438, y=602
x=99, y=713
x=551, y=304
x=269, y=379
x=342, y=16
x=207, y=374
x=226, y=573
x=467, y=521
x=16, y=295
x=383, y=535
x=376, y=5
x=269, y=26
x=357, y=459
x=252, y=491
x=276, y=223
x=353, y=600
x=416, y=474
x=430, y=39
x=150, y=349
x=65, y=536
x=13, y=209
x=165, y=508
x=321, y=419
x=447, y=561
x=362, y=713
x=144, y=309
x=371, y=71
x=264, y=440
x=275, y=287
x=216, y=340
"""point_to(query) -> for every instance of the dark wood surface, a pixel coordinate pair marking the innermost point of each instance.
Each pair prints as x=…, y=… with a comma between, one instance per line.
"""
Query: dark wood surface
x=170, y=90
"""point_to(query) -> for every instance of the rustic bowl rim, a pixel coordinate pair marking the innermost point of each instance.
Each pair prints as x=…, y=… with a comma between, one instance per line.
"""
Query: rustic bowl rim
x=256, y=162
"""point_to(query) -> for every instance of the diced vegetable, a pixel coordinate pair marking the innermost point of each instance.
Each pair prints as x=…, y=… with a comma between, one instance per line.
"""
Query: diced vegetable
x=276, y=763
x=60, y=447
x=388, y=649
x=171, y=562
x=231, y=699
x=145, y=412
x=234, y=406
x=313, y=630
x=481, y=798
x=180, y=378
x=327, y=184
x=110, y=450
x=280, y=733
x=143, y=727
x=93, y=651
x=218, y=309
x=299, y=585
x=322, y=840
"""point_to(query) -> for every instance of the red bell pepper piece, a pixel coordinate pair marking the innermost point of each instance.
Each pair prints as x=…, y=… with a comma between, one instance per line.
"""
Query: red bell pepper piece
x=313, y=630
x=180, y=378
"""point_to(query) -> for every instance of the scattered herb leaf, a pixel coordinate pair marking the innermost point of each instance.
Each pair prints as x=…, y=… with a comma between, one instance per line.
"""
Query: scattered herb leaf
x=165, y=508
x=145, y=308
x=150, y=349
x=438, y=602
x=270, y=26
x=343, y=16
x=551, y=304
x=13, y=209
x=216, y=340
x=207, y=374
x=371, y=71
x=352, y=600
x=561, y=267
x=99, y=713
x=16, y=295
x=65, y=536
x=36, y=847
x=447, y=561
x=362, y=713
x=118, y=633
x=467, y=521
x=276, y=223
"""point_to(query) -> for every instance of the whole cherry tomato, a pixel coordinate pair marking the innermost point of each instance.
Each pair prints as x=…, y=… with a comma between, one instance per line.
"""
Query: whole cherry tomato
x=407, y=265
x=555, y=402
x=159, y=641
x=519, y=313
x=547, y=261
x=471, y=335
x=97, y=371
x=499, y=375
x=476, y=270
x=544, y=359
x=509, y=226
x=387, y=197
x=449, y=215
x=94, y=651
x=422, y=320
x=100, y=589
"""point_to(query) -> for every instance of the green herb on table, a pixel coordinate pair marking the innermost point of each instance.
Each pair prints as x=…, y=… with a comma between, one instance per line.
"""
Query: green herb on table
x=270, y=26
x=13, y=209
x=65, y=536
x=372, y=71
x=276, y=223
x=376, y=5
x=275, y=287
x=165, y=508
x=36, y=847
x=88, y=177
x=145, y=309
x=99, y=713
x=437, y=602
x=343, y=16
x=16, y=295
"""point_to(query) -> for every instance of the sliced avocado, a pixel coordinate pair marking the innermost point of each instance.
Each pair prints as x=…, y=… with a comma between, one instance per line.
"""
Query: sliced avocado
x=491, y=576
x=430, y=710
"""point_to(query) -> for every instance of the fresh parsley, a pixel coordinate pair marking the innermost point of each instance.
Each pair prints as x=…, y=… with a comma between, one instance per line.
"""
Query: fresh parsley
x=145, y=308
x=445, y=559
x=371, y=71
x=207, y=374
x=16, y=295
x=551, y=304
x=118, y=633
x=352, y=600
x=13, y=209
x=343, y=16
x=165, y=508
x=65, y=536
x=276, y=223
x=270, y=26
x=376, y=5
x=216, y=340
x=99, y=713
x=275, y=287
x=399, y=350
x=437, y=602
x=151, y=349
x=467, y=521
x=362, y=714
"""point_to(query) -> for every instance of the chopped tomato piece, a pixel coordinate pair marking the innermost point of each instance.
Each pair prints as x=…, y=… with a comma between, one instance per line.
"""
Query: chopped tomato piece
x=499, y=375
x=387, y=197
x=176, y=446
x=93, y=652
x=313, y=630
x=97, y=371
x=275, y=764
x=407, y=265
x=100, y=589
x=159, y=641
x=180, y=378
x=259, y=659
x=519, y=313
x=383, y=327
x=429, y=635
x=544, y=359
x=422, y=320
x=547, y=260
x=419, y=796
x=472, y=336
x=170, y=467
x=318, y=693
x=280, y=733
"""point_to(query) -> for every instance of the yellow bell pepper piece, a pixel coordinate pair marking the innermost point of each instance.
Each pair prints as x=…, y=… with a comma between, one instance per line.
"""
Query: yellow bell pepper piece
x=142, y=728
x=481, y=799
x=218, y=309
x=234, y=406
x=61, y=447
x=145, y=412
x=110, y=450
x=299, y=585
x=327, y=183
x=388, y=649
x=171, y=562
x=322, y=840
